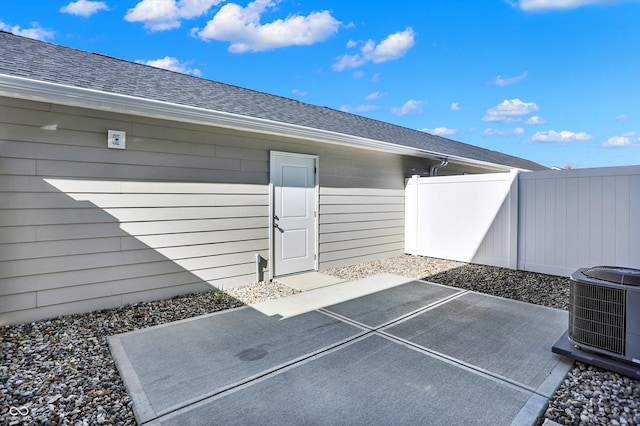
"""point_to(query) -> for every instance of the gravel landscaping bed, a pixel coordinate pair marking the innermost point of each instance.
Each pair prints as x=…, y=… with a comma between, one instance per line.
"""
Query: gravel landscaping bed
x=528, y=287
x=60, y=371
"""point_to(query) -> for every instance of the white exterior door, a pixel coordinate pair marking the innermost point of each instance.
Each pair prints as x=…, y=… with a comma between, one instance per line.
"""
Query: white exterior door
x=294, y=230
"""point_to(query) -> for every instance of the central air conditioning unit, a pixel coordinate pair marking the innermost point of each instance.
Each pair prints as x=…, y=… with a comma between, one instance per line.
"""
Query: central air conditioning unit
x=604, y=311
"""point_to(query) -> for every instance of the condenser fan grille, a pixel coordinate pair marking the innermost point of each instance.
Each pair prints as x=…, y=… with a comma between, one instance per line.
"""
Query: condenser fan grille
x=597, y=317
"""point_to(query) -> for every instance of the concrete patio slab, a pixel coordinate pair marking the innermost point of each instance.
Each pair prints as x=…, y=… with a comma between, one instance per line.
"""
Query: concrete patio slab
x=377, y=309
x=175, y=364
x=373, y=381
x=309, y=280
x=284, y=307
x=508, y=338
x=330, y=295
x=389, y=351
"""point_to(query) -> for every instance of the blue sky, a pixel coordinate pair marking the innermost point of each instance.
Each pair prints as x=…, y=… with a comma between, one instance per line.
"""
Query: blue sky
x=553, y=81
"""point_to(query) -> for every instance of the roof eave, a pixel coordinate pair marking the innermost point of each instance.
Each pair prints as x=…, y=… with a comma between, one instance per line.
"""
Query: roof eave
x=25, y=88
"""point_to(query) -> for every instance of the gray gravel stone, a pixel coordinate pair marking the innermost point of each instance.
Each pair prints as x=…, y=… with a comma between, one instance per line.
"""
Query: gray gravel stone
x=528, y=287
x=253, y=293
x=60, y=371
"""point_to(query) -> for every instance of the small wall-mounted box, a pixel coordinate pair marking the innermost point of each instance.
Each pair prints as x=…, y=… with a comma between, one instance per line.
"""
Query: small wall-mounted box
x=116, y=139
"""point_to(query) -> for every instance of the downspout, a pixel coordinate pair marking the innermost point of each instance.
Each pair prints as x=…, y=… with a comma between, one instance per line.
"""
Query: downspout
x=433, y=171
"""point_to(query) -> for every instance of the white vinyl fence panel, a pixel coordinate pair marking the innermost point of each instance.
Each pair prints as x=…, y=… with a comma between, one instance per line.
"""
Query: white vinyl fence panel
x=550, y=222
x=574, y=219
x=471, y=218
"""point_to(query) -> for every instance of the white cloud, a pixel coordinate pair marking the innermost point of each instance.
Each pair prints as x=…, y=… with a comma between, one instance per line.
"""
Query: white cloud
x=540, y=5
x=373, y=96
x=455, y=106
x=194, y=8
x=625, y=139
x=410, y=106
x=162, y=15
x=617, y=141
x=499, y=81
x=441, y=131
x=349, y=61
x=171, y=64
x=510, y=111
x=84, y=8
x=496, y=132
x=563, y=136
x=298, y=92
x=35, y=32
x=621, y=117
x=358, y=75
x=351, y=44
x=393, y=47
x=242, y=28
x=535, y=119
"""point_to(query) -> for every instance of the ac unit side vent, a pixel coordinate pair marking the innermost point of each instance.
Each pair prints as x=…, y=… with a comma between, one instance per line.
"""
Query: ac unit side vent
x=597, y=317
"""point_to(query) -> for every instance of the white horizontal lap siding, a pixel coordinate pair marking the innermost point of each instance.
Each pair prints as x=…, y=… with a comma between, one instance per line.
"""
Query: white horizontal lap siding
x=358, y=225
x=362, y=206
x=83, y=227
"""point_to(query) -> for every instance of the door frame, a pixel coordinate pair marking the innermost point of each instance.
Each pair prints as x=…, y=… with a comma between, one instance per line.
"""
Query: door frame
x=316, y=197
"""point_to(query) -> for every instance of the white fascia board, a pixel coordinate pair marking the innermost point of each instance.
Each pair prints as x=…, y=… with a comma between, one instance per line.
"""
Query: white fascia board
x=24, y=88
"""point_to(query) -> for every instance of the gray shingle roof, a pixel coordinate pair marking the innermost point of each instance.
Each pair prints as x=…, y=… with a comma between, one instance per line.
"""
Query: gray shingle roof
x=48, y=62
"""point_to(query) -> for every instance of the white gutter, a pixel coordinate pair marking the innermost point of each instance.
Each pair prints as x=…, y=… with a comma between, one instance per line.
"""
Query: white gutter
x=24, y=88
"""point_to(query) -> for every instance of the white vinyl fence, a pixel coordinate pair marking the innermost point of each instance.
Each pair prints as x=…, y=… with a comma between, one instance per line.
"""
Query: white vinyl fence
x=551, y=222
